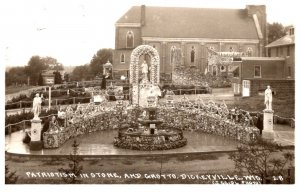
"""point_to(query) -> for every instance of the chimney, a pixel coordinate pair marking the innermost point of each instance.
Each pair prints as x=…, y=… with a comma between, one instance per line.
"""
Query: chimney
x=143, y=15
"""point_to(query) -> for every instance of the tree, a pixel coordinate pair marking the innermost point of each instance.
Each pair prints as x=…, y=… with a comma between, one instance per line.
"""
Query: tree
x=40, y=82
x=10, y=177
x=66, y=77
x=52, y=63
x=37, y=65
x=275, y=31
x=16, y=75
x=57, y=77
x=99, y=59
x=34, y=68
x=262, y=158
x=75, y=169
x=81, y=73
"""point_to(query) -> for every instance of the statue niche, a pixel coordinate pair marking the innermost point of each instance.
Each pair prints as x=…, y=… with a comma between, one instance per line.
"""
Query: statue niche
x=140, y=89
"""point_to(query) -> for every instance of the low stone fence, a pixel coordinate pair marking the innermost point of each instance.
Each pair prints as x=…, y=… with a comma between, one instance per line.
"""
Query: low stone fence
x=191, y=119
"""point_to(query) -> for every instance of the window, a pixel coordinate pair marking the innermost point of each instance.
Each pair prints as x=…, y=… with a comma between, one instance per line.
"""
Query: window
x=257, y=71
x=173, y=55
x=277, y=51
x=215, y=70
x=192, y=55
x=292, y=31
x=249, y=51
x=288, y=51
x=289, y=71
x=222, y=68
x=236, y=72
x=269, y=52
x=281, y=51
x=129, y=39
x=122, y=58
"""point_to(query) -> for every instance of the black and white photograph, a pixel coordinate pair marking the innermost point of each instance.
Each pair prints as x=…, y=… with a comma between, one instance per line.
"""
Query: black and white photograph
x=182, y=94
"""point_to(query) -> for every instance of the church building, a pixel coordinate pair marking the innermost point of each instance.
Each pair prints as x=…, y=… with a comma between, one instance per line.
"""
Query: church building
x=182, y=36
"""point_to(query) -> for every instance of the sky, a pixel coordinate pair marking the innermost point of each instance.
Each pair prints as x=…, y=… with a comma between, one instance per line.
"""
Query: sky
x=72, y=31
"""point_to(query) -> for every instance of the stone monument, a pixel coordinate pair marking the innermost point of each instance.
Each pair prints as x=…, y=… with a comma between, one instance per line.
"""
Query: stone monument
x=36, y=126
x=144, y=68
x=268, y=132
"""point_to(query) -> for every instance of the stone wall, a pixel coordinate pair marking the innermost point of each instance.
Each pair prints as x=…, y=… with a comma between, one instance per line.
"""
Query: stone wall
x=279, y=87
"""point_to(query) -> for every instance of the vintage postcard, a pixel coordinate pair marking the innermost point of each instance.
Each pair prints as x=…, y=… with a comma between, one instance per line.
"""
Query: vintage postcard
x=149, y=92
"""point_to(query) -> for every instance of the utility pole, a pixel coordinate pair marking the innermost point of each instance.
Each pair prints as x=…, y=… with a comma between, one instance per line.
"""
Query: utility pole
x=49, y=97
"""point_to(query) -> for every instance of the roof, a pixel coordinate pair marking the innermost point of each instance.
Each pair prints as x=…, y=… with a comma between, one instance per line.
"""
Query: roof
x=179, y=22
x=107, y=65
x=133, y=15
x=285, y=40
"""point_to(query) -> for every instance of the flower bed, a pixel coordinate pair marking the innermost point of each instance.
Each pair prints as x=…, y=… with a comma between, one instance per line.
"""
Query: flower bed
x=129, y=144
x=163, y=140
x=188, y=76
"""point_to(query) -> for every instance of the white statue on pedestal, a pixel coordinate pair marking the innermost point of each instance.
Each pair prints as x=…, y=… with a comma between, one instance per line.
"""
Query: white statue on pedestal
x=36, y=106
x=144, y=67
x=268, y=98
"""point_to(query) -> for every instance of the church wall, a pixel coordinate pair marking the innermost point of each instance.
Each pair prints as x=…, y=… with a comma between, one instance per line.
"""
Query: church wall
x=167, y=65
x=121, y=68
x=121, y=37
x=198, y=52
x=226, y=47
x=158, y=46
x=164, y=49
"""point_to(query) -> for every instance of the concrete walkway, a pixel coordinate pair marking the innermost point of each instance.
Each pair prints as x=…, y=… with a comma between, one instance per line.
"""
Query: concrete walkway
x=284, y=135
x=101, y=143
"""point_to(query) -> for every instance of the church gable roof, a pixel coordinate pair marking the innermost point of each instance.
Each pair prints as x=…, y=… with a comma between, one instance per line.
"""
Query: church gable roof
x=285, y=40
x=133, y=15
x=175, y=22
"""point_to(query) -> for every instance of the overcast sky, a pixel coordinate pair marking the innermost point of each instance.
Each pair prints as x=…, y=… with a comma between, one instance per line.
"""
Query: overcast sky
x=73, y=31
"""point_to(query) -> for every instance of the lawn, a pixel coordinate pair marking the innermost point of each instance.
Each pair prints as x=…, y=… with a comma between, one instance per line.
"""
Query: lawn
x=282, y=106
x=15, y=89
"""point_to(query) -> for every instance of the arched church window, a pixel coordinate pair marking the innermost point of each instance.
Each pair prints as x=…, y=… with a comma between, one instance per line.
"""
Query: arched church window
x=122, y=58
x=249, y=52
x=193, y=55
x=129, y=39
x=214, y=70
x=222, y=69
x=173, y=55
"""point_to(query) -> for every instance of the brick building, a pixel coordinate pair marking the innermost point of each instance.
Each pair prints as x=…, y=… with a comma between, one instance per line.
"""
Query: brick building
x=252, y=75
x=285, y=48
x=182, y=35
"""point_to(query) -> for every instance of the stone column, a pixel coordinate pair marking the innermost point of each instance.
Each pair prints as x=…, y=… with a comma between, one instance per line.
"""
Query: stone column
x=182, y=47
x=36, y=130
x=268, y=132
x=164, y=55
x=202, y=56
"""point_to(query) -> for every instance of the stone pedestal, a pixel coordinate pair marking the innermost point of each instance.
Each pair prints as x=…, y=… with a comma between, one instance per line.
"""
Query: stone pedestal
x=268, y=132
x=36, y=129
